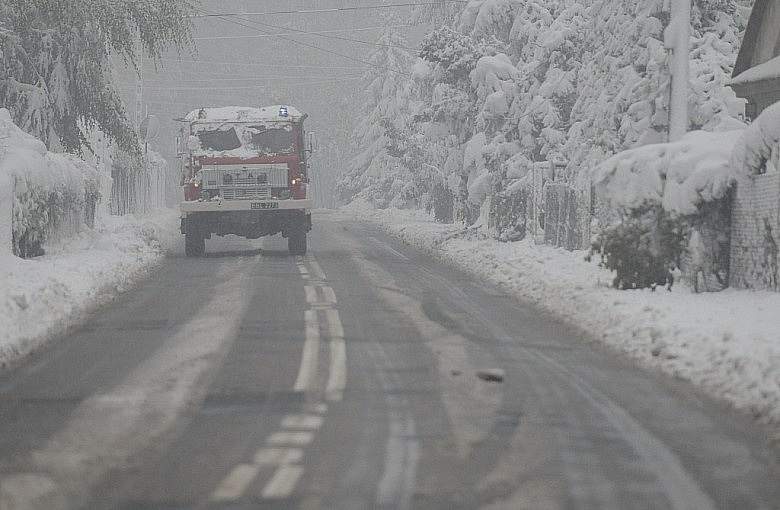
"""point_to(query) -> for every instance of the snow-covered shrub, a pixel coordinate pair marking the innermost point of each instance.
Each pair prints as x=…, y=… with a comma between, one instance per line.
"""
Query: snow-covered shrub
x=689, y=181
x=41, y=214
x=52, y=195
x=678, y=176
x=643, y=248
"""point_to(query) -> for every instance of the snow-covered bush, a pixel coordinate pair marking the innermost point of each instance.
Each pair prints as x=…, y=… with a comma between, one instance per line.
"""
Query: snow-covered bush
x=643, y=248
x=687, y=181
x=51, y=195
x=678, y=176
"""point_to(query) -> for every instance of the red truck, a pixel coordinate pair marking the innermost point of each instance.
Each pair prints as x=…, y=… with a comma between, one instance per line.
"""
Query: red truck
x=245, y=172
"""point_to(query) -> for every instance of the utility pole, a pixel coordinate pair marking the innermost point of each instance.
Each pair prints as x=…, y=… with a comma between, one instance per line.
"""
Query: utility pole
x=678, y=39
x=139, y=82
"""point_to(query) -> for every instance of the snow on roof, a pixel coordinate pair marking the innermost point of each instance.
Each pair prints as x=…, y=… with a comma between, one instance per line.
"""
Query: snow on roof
x=246, y=113
x=766, y=71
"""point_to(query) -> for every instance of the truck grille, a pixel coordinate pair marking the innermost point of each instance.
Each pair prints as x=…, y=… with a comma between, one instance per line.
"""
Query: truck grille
x=245, y=182
x=274, y=175
x=245, y=193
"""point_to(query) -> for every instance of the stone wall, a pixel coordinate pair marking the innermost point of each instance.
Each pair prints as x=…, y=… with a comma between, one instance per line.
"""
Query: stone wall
x=755, y=233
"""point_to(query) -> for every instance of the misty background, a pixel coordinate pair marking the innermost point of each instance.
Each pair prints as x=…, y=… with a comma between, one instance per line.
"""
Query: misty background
x=278, y=57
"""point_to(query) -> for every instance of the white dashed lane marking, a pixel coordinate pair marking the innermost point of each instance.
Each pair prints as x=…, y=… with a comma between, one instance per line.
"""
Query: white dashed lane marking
x=305, y=422
x=283, y=482
x=274, y=456
x=286, y=438
x=235, y=484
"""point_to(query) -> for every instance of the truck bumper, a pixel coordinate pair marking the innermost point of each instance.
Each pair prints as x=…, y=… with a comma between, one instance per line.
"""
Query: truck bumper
x=245, y=218
x=244, y=205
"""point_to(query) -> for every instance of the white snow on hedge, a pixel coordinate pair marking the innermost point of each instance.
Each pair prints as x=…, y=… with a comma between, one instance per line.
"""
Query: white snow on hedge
x=726, y=343
x=42, y=297
x=679, y=175
x=26, y=163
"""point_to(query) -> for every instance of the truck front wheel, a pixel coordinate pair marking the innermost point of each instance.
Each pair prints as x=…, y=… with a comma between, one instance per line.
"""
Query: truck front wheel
x=296, y=242
x=194, y=244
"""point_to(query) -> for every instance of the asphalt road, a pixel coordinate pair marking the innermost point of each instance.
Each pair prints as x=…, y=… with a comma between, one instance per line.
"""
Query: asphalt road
x=350, y=379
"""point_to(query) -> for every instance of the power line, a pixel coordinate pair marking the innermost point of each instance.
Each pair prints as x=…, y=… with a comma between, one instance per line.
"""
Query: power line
x=320, y=32
x=301, y=43
x=251, y=87
x=253, y=78
x=333, y=9
x=260, y=64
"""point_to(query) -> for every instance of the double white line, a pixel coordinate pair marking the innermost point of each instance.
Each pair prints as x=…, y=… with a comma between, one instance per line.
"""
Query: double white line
x=322, y=300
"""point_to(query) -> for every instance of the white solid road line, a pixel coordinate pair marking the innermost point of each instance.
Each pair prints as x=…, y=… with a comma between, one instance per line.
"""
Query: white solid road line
x=311, y=295
x=274, y=456
x=335, y=328
x=235, y=484
x=329, y=295
x=337, y=379
x=303, y=421
x=286, y=438
x=309, y=359
x=283, y=483
x=316, y=269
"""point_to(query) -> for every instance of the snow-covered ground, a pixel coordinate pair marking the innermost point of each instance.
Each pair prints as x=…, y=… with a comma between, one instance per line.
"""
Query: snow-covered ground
x=42, y=297
x=726, y=343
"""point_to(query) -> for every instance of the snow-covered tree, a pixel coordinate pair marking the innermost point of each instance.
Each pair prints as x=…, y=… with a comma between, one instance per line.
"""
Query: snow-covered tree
x=55, y=75
x=377, y=173
x=509, y=83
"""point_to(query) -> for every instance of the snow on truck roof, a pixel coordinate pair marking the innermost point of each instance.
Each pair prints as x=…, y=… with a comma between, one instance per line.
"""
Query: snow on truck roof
x=246, y=113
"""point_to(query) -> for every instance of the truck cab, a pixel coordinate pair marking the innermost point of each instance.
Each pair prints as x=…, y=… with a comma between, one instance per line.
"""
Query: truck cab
x=245, y=173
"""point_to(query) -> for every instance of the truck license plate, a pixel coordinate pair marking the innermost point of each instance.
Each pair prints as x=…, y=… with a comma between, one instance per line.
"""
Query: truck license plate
x=264, y=205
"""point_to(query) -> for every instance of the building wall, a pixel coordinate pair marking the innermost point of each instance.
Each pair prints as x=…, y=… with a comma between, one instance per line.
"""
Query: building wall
x=766, y=46
x=755, y=233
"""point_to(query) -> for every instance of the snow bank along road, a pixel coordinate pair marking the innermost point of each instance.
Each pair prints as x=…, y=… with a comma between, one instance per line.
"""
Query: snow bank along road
x=350, y=379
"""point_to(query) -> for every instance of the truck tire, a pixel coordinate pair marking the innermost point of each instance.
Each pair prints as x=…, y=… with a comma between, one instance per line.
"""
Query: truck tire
x=296, y=242
x=194, y=244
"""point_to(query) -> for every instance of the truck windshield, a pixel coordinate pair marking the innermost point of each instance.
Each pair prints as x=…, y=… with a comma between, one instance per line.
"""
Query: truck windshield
x=217, y=140
x=255, y=138
x=279, y=140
